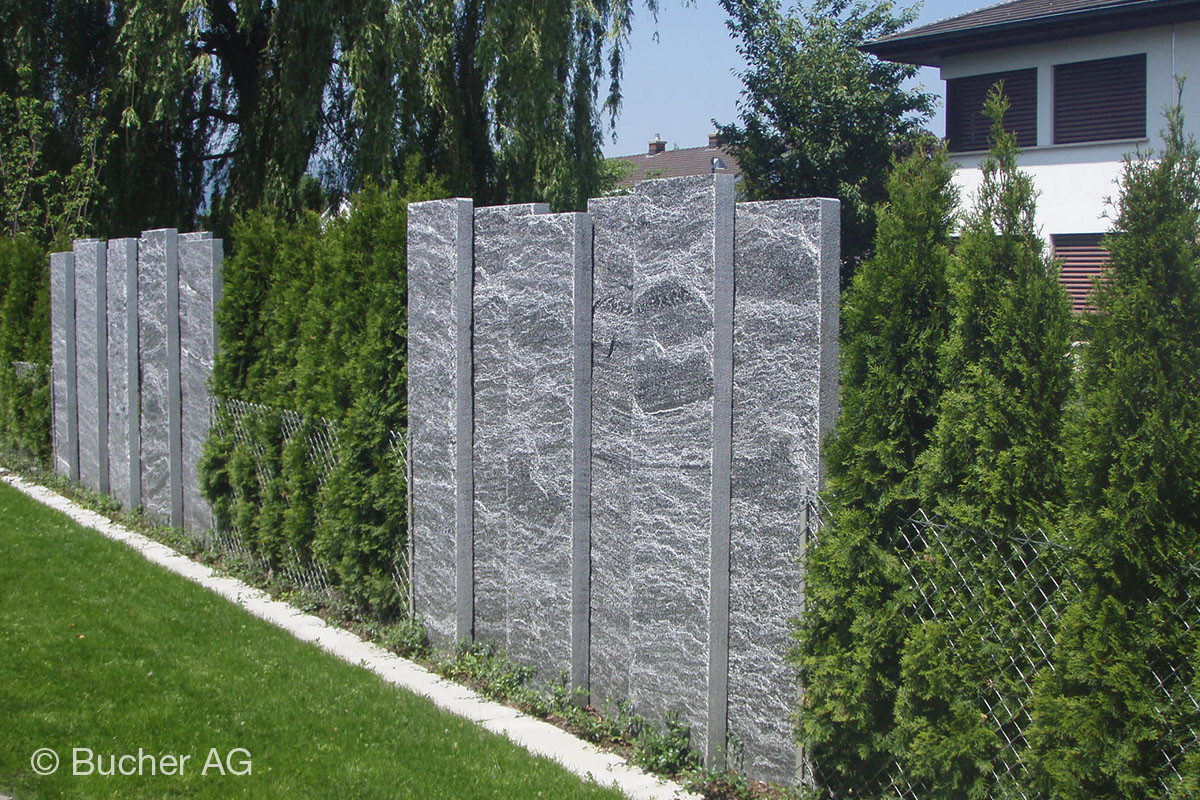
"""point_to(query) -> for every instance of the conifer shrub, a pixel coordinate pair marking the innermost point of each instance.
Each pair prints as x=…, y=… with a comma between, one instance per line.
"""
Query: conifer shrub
x=895, y=318
x=24, y=336
x=994, y=464
x=1115, y=706
x=313, y=320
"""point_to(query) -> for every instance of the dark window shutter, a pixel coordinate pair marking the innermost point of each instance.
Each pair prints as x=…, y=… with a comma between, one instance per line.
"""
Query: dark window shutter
x=966, y=126
x=1098, y=100
x=1082, y=259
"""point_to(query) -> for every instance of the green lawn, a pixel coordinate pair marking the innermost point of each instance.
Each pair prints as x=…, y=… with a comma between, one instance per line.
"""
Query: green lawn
x=101, y=650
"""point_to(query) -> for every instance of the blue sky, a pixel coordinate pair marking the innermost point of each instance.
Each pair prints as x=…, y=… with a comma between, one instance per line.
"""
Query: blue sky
x=675, y=86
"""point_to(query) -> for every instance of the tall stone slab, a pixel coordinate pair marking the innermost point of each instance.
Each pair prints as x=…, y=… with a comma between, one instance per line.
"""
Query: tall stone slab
x=784, y=398
x=498, y=243
x=200, y=258
x=158, y=364
x=91, y=353
x=533, y=259
x=676, y=238
x=62, y=345
x=124, y=474
x=440, y=236
x=610, y=460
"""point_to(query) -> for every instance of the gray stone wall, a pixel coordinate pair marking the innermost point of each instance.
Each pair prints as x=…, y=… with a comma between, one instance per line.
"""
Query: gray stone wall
x=133, y=336
x=440, y=239
x=200, y=258
x=124, y=446
x=62, y=355
x=615, y=419
x=91, y=353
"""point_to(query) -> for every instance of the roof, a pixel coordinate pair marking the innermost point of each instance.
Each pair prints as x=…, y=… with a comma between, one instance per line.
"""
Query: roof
x=677, y=164
x=1026, y=22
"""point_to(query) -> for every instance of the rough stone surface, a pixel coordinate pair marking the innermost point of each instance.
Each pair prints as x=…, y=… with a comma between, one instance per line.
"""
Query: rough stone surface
x=123, y=472
x=435, y=247
x=155, y=248
x=497, y=247
x=91, y=353
x=784, y=290
x=199, y=292
x=535, y=257
x=62, y=353
x=611, y=453
x=645, y=390
x=665, y=232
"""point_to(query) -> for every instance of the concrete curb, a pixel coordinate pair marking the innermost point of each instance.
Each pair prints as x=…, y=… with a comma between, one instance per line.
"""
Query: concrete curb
x=538, y=737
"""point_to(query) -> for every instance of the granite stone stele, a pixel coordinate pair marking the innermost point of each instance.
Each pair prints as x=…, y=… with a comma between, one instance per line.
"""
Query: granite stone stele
x=91, y=353
x=786, y=287
x=440, y=240
x=62, y=353
x=614, y=421
x=529, y=264
x=495, y=239
x=158, y=370
x=200, y=258
x=124, y=473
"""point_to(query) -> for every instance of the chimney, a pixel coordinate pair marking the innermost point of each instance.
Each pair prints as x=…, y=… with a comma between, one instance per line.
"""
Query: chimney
x=657, y=145
x=714, y=139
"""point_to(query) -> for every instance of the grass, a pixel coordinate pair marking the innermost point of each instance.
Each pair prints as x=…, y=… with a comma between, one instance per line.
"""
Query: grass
x=100, y=649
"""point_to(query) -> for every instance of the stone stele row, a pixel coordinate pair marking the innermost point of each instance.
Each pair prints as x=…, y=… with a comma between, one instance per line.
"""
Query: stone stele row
x=133, y=337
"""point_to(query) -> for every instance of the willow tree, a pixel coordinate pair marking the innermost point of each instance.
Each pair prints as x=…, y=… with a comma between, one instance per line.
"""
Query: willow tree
x=498, y=97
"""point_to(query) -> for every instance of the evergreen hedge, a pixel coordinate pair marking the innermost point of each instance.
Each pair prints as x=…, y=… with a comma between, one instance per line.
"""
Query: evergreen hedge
x=313, y=320
x=895, y=318
x=25, y=414
x=1102, y=721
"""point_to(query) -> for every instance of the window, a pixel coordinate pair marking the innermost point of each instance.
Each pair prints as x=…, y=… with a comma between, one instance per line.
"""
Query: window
x=1099, y=100
x=967, y=127
x=1083, y=259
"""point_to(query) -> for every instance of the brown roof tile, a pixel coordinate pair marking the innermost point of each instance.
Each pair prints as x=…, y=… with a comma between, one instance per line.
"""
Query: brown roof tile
x=677, y=164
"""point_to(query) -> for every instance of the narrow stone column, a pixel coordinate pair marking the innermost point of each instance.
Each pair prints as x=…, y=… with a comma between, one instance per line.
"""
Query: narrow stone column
x=158, y=354
x=62, y=344
x=581, y=460
x=124, y=473
x=440, y=237
x=91, y=353
x=652, y=569
x=498, y=243
x=200, y=258
x=784, y=399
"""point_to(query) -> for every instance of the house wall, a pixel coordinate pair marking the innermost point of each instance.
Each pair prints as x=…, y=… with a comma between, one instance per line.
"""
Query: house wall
x=1075, y=179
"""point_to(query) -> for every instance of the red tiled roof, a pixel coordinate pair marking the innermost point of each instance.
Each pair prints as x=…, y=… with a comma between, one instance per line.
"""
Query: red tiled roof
x=677, y=164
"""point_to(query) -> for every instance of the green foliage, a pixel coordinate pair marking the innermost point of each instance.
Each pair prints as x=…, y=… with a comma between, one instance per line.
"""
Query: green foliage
x=24, y=336
x=1101, y=724
x=996, y=461
x=313, y=320
x=819, y=117
x=500, y=97
x=36, y=198
x=895, y=318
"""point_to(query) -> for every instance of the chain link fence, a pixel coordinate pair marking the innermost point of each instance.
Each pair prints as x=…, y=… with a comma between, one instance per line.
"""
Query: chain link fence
x=1001, y=599
x=240, y=420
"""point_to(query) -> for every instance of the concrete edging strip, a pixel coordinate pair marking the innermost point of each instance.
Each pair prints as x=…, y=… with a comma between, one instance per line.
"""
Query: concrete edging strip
x=538, y=737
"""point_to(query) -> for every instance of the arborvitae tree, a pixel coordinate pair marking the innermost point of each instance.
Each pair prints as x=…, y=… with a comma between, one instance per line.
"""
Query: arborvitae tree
x=995, y=463
x=1102, y=721
x=997, y=455
x=24, y=336
x=895, y=318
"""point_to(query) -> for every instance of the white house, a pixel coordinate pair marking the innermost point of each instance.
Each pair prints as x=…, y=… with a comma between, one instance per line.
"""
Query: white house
x=1088, y=81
